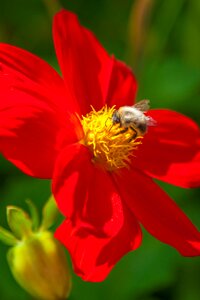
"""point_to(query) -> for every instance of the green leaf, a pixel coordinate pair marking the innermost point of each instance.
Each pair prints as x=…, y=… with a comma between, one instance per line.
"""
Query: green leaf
x=19, y=222
x=34, y=214
x=49, y=214
x=7, y=237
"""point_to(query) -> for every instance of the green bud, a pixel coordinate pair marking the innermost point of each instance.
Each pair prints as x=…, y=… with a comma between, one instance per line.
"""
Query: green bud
x=36, y=259
x=39, y=265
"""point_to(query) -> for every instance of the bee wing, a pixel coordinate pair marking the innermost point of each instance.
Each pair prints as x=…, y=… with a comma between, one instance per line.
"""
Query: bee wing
x=150, y=121
x=142, y=105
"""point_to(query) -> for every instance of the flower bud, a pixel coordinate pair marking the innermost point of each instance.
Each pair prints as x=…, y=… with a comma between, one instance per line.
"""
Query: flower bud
x=39, y=265
x=36, y=259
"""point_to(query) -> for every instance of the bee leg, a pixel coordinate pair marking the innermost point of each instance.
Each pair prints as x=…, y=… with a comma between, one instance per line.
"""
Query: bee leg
x=135, y=134
x=122, y=131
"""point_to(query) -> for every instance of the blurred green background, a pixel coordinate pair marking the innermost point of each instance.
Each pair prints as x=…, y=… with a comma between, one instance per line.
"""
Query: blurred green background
x=161, y=41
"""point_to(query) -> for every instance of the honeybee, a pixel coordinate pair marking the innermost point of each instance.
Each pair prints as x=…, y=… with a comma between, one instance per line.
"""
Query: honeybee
x=133, y=117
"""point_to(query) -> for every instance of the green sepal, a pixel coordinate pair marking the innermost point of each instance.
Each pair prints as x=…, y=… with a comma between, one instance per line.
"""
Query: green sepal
x=7, y=237
x=19, y=222
x=49, y=213
x=33, y=214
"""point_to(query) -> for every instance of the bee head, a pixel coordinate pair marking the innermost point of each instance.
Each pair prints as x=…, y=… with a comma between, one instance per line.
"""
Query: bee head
x=116, y=117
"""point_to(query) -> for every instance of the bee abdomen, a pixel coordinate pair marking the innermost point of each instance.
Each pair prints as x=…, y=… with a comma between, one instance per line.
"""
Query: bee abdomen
x=142, y=127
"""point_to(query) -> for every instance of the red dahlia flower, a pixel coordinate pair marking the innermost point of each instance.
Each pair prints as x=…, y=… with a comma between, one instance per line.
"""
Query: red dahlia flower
x=61, y=128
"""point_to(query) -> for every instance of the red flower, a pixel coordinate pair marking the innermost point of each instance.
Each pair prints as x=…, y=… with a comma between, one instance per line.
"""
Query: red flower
x=49, y=130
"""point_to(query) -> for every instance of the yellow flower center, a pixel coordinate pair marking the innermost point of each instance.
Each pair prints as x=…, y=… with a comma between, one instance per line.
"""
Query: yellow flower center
x=110, y=146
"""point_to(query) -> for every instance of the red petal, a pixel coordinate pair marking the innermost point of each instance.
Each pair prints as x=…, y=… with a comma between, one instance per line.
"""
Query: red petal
x=85, y=65
x=20, y=69
x=85, y=193
x=171, y=150
x=31, y=111
x=94, y=257
x=158, y=213
x=122, y=87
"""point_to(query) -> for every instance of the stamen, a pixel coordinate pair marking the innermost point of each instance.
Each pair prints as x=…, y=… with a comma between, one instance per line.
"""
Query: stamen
x=110, y=148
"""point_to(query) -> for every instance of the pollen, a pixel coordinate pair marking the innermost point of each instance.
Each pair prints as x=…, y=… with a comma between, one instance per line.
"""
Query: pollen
x=111, y=147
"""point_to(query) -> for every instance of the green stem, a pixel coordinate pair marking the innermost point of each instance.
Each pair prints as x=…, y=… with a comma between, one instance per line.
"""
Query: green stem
x=167, y=19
